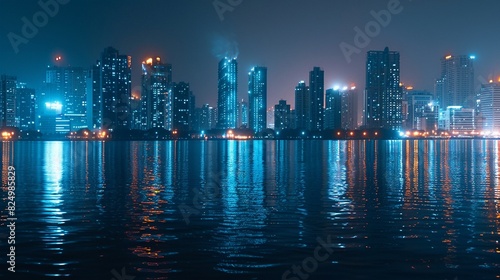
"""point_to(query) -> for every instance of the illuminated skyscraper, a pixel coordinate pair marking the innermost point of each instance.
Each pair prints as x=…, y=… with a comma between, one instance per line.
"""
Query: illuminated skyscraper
x=114, y=74
x=282, y=116
x=8, y=90
x=243, y=114
x=490, y=107
x=181, y=106
x=257, y=98
x=25, y=107
x=302, y=108
x=156, y=97
x=227, y=94
x=455, y=87
x=317, y=98
x=333, y=109
x=383, y=90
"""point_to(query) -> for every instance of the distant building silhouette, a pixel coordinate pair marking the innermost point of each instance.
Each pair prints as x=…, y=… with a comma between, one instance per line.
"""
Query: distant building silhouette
x=302, y=108
x=282, y=116
x=182, y=96
x=317, y=99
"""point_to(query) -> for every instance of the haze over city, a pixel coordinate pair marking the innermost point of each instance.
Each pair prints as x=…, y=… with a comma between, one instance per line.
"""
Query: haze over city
x=288, y=37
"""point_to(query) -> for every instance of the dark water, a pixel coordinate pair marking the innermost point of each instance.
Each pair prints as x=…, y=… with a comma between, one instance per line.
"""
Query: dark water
x=253, y=210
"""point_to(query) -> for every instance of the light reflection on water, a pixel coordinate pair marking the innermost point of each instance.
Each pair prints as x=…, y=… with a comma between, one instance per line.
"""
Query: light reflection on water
x=395, y=209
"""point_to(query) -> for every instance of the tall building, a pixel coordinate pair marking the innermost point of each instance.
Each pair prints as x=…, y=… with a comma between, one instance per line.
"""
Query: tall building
x=302, y=108
x=333, y=109
x=243, y=114
x=227, y=94
x=257, y=98
x=383, y=90
x=349, y=102
x=418, y=104
x=282, y=116
x=156, y=100
x=114, y=89
x=490, y=107
x=8, y=91
x=181, y=106
x=317, y=98
x=67, y=86
x=455, y=87
x=206, y=121
x=25, y=107
x=458, y=119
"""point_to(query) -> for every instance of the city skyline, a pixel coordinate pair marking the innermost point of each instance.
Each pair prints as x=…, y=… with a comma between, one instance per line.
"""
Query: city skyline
x=213, y=38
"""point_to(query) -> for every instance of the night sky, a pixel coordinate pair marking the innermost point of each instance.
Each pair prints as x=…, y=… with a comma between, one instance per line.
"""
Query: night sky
x=287, y=36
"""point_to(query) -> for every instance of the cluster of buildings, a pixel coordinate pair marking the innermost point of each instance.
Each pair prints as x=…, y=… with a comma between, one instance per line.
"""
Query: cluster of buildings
x=100, y=98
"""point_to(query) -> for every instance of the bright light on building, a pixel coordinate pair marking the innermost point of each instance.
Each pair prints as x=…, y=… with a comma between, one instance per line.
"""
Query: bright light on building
x=53, y=105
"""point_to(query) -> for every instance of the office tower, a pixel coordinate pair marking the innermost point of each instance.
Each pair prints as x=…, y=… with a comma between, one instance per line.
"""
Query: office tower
x=490, y=107
x=302, y=108
x=270, y=117
x=181, y=106
x=114, y=89
x=8, y=91
x=281, y=116
x=227, y=93
x=243, y=114
x=66, y=86
x=317, y=93
x=25, y=107
x=156, y=101
x=458, y=119
x=205, y=118
x=419, y=103
x=94, y=96
x=333, y=109
x=455, y=87
x=383, y=91
x=349, y=103
x=257, y=98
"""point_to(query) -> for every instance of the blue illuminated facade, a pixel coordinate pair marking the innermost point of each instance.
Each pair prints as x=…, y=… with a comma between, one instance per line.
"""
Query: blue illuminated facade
x=257, y=98
x=227, y=94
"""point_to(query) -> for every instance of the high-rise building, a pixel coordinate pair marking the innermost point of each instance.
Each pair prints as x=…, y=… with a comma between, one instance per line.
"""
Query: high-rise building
x=181, y=106
x=455, y=87
x=228, y=94
x=418, y=105
x=349, y=101
x=8, y=91
x=25, y=107
x=317, y=98
x=490, y=107
x=302, y=108
x=383, y=90
x=243, y=114
x=156, y=100
x=206, y=118
x=333, y=109
x=114, y=89
x=282, y=116
x=458, y=119
x=257, y=98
